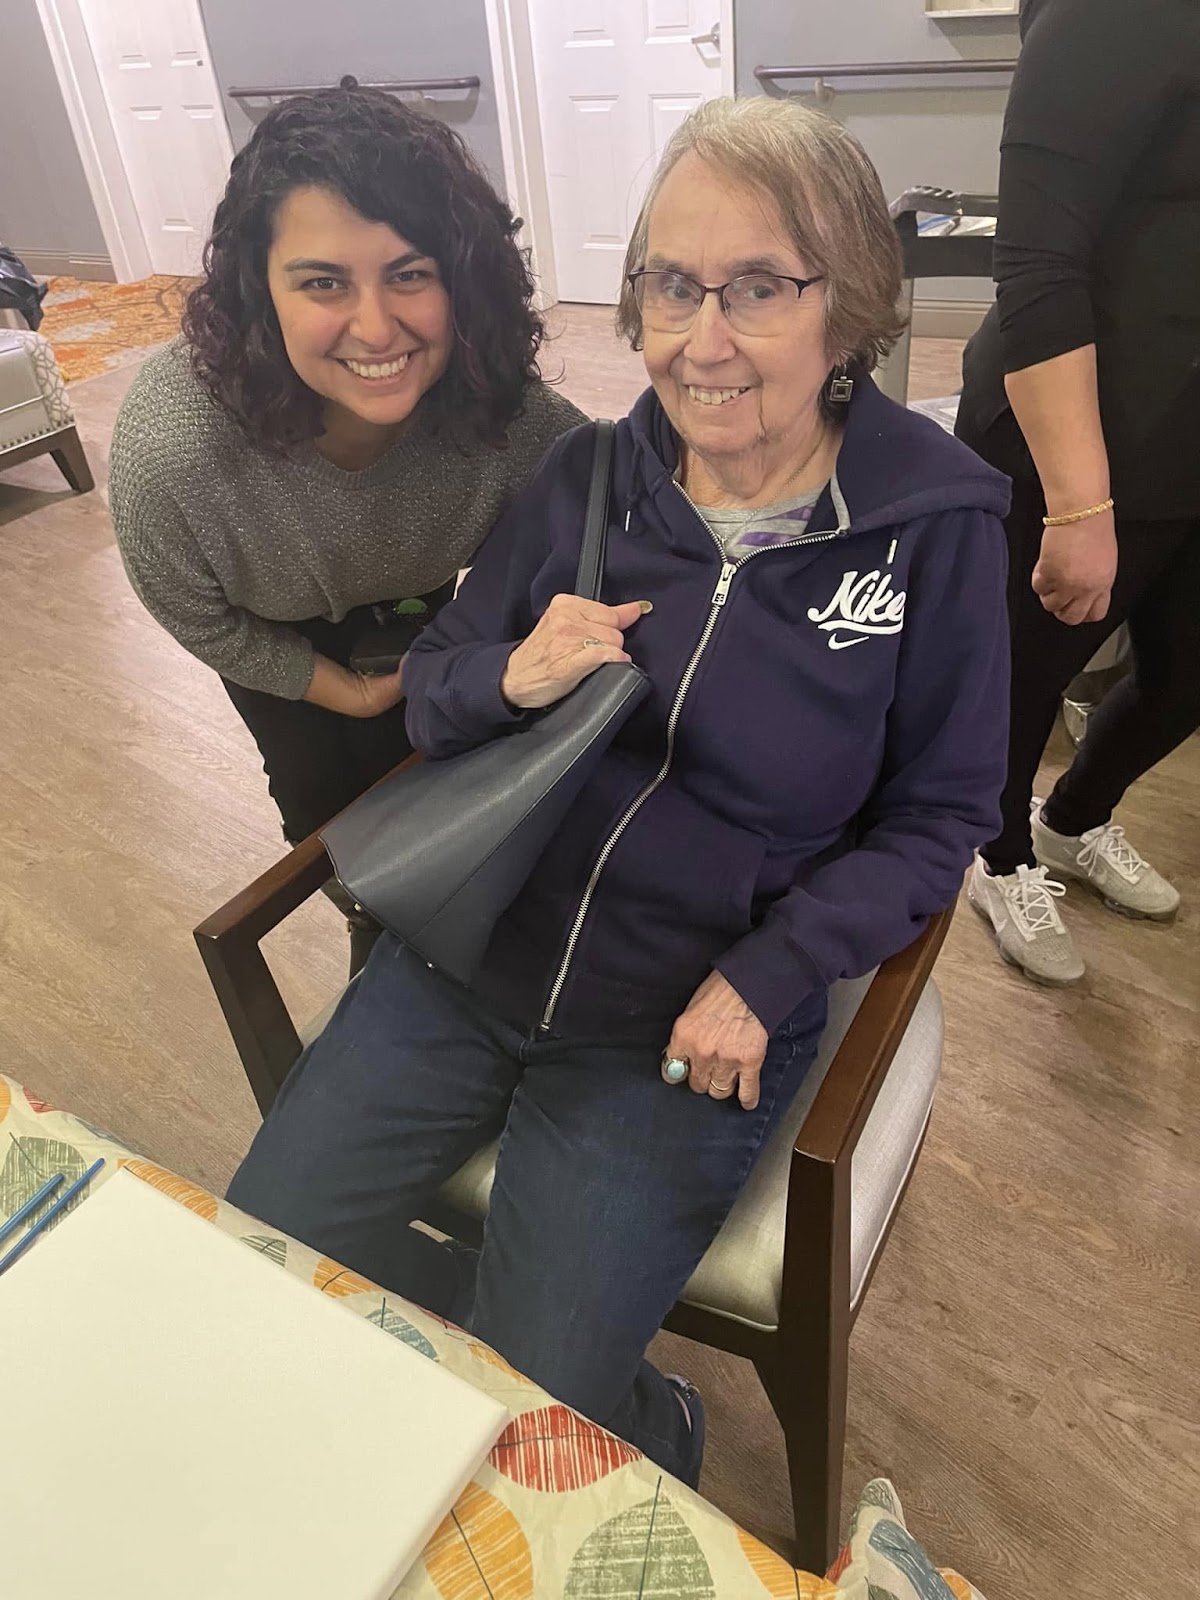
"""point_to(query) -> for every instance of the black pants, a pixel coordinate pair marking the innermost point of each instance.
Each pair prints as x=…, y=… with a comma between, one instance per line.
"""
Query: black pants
x=1149, y=713
x=317, y=761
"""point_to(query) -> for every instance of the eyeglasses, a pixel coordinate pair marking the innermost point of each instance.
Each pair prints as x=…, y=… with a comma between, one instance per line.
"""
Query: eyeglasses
x=756, y=302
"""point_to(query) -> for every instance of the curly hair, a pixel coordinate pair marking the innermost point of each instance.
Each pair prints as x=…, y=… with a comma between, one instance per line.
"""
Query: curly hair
x=395, y=166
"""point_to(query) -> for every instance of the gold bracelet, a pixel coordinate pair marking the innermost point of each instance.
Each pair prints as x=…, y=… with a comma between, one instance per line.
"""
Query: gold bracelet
x=1078, y=516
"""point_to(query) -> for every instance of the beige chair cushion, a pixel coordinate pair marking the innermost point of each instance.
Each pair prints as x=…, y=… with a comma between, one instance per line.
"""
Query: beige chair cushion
x=741, y=1275
x=33, y=397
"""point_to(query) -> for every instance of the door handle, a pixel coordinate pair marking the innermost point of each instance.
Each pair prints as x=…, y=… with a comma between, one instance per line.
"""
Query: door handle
x=713, y=36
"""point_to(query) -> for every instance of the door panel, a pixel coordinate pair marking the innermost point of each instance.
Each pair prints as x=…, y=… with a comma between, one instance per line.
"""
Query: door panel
x=615, y=79
x=162, y=95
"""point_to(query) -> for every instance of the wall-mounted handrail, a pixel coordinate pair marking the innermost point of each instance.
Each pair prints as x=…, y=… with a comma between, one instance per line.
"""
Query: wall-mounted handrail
x=887, y=69
x=405, y=85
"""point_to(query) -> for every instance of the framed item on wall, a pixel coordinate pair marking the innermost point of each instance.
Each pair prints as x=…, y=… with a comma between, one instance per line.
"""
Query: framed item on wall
x=972, y=8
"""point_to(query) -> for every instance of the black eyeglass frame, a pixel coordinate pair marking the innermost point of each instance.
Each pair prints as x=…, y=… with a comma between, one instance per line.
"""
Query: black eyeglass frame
x=719, y=289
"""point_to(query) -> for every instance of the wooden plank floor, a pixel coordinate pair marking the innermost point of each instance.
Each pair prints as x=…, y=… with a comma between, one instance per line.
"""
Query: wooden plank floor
x=1026, y=1365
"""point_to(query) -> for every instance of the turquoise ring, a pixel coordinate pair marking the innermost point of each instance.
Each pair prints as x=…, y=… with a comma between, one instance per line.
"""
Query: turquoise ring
x=675, y=1068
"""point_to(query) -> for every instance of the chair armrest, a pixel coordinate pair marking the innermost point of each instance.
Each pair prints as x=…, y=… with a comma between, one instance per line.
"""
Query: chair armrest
x=263, y=1032
x=843, y=1103
x=809, y=1376
x=274, y=895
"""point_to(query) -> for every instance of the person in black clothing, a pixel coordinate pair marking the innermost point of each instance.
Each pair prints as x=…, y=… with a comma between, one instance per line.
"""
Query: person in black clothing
x=1083, y=384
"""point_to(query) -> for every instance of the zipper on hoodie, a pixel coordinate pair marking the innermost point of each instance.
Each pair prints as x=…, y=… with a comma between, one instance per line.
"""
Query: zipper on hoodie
x=719, y=596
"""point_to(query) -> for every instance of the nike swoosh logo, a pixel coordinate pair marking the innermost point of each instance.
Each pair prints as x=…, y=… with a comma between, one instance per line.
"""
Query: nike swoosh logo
x=844, y=644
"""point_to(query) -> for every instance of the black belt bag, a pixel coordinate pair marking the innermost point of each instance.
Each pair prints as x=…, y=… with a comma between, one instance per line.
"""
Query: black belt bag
x=439, y=850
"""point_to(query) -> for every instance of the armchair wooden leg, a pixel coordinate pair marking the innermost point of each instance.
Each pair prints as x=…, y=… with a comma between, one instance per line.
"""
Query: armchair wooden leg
x=71, y=461
x=807, y=1390
x=805, y=1370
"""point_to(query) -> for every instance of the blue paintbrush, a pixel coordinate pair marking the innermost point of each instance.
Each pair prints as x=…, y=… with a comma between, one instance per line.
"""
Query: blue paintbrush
x=30, y=1206
x=43, y=1223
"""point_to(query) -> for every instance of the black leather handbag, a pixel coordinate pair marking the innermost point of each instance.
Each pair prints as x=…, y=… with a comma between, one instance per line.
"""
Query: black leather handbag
x=438, y=851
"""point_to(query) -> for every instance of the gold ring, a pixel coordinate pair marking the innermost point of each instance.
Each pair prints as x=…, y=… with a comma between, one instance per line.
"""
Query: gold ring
x=596, y=643
x=720, y=1094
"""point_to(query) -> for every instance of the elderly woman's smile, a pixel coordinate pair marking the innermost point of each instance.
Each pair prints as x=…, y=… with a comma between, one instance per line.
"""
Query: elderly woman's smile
x=714, y=397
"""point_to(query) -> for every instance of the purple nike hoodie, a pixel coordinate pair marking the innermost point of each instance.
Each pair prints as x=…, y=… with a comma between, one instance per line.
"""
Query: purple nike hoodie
x=822, y=749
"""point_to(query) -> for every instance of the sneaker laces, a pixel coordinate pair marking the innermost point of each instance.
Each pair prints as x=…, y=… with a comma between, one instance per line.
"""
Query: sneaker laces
x=1110, y=844
x=1031, y=900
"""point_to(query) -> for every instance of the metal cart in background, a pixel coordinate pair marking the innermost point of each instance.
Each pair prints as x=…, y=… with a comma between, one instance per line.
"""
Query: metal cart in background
x=955, y=240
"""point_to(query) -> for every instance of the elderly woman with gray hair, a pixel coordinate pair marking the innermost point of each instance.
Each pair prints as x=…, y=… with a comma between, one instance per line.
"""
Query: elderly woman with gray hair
x=812, y=579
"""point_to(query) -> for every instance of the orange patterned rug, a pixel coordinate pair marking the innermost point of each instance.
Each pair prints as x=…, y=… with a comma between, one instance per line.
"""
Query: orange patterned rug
x=94, y=327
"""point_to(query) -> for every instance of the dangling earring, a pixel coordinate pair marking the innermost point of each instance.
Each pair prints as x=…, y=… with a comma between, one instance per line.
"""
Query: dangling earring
x=841, y=387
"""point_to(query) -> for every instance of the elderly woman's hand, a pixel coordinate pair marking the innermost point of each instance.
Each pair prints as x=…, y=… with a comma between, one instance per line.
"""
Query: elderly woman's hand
x=572, y=638
x=722, y=1041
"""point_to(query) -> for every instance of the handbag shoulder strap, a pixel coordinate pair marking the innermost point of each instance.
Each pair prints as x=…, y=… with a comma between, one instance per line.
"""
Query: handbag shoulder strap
x=595, y=525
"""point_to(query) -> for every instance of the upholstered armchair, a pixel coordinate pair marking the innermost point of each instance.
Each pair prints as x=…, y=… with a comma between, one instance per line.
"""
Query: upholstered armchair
x=35, y=414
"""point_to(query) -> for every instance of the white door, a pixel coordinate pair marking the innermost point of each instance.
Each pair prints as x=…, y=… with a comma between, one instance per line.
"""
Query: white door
x=152, y=59
x=615, y=78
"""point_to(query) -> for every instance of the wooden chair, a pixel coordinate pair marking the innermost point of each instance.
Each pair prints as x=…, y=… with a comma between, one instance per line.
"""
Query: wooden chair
x=787, y=1275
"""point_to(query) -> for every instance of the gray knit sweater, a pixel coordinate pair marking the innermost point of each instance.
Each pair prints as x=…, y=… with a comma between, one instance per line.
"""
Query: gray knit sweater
x=227, y=545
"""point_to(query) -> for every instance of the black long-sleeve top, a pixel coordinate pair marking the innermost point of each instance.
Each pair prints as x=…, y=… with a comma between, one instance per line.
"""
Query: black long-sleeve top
x=1098, y=237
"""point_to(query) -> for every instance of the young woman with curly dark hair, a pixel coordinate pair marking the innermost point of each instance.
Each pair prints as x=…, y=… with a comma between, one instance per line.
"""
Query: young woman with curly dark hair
x=296, y=482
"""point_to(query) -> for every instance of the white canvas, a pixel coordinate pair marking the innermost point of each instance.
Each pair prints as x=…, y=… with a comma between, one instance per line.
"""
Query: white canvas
x=183, y=1418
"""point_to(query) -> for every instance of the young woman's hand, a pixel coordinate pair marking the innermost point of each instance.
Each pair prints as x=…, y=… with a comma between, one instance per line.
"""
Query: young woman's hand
x=370, y=696
x=722, y=1041
x=572, y=638
x=351, y=693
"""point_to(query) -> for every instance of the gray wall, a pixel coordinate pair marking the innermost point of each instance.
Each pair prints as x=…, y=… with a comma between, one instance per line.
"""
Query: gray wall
x=46, y=210
x=941, y=135
x=281, y=42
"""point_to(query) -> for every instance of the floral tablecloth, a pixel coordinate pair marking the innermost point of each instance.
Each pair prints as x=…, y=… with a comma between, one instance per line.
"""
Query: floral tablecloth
x=561, y=1507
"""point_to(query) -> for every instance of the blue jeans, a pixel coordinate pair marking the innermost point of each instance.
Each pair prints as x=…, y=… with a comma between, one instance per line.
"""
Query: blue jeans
x=610, y=1184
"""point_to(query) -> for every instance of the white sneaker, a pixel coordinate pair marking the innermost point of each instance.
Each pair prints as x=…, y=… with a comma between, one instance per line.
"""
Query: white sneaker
x=1104, y=859
x=1020, y=907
